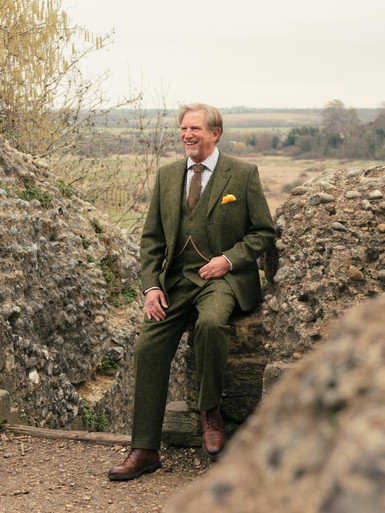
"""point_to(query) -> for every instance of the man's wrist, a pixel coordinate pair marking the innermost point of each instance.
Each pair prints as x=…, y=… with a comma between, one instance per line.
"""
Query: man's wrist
x=229, y=262
x=151, y=288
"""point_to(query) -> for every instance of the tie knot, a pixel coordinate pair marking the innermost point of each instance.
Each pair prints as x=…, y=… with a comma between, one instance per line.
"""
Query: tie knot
x=198, y=168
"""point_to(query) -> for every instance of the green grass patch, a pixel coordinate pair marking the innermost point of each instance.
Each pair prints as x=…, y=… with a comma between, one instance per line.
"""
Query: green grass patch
x=34, y=193
x=129, y=294
x=66, y=189
x=108, y=367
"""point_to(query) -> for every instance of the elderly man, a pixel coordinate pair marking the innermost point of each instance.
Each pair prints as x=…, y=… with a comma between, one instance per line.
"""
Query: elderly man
x=207, y=224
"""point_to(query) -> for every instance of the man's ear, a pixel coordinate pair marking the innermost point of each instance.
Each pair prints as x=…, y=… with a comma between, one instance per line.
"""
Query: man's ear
x=216, y=133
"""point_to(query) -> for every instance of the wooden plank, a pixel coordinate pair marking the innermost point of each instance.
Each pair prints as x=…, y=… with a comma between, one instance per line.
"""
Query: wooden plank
x=57, y=434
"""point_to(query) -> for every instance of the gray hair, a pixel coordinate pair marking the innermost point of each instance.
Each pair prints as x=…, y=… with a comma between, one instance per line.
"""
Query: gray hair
x=213, y=118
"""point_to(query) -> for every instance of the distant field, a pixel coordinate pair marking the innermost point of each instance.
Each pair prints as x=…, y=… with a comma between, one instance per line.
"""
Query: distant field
x=240, y=121
x=271, y=119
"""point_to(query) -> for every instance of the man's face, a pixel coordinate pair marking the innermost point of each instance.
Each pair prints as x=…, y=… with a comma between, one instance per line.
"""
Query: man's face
x=197, y=140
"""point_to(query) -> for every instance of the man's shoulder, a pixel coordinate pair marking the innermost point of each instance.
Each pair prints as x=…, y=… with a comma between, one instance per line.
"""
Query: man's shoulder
x=174, y=165
x=236, y=163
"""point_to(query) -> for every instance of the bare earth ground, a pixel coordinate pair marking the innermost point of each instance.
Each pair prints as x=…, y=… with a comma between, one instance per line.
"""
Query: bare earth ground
x=55, y=476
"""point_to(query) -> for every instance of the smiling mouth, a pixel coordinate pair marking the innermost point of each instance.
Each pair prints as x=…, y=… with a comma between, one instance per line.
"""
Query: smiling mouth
x=190, y=143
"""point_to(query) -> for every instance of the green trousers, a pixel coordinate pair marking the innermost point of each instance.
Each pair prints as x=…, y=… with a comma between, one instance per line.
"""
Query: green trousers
x=156, y=346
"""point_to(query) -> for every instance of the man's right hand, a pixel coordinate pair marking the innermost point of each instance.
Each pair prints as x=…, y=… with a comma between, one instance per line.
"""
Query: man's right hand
x=155, y=304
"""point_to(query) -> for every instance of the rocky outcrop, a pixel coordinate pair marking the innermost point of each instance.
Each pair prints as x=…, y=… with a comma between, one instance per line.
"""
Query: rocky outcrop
x=331, y=253
x=317, y=444
x=63, y=268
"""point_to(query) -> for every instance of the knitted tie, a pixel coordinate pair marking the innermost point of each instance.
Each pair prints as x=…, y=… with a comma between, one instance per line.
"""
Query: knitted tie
x=194, y=192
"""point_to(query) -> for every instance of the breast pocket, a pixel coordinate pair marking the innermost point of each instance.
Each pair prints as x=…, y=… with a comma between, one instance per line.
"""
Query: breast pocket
x=230, y=204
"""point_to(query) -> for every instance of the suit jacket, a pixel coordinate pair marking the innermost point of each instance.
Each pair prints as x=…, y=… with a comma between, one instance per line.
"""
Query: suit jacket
x=241, y=229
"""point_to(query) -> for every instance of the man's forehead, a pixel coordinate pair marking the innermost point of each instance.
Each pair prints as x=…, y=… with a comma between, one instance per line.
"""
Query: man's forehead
x=194, y=116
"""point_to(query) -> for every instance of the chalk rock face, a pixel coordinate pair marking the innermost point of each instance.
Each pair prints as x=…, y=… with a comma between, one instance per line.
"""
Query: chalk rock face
x=317, y=443
x=62, y=265
x=331, y=256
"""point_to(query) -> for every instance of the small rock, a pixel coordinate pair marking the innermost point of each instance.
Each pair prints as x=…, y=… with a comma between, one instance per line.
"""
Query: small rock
x=354, y=171
x=282, y=274
x=298, y=191
x=373, y=195
x=34, y=377
x=381, y=228
x=297, y=356
x=280, y=245
x=365, y=204
x=322, y=197
x=273, y=304
x=381, y=275
x=355, y=274
x=280, y=224
x=353, y=195
x=326, y=186
x=339, y=227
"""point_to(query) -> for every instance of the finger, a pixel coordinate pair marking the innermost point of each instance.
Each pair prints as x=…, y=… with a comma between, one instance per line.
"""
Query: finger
x=156, y=311
x=163, y=301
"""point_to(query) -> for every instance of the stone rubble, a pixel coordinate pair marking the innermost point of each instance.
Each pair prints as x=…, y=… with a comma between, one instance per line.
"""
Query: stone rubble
x=62, y=264
x=317, y=443
x=331, y=256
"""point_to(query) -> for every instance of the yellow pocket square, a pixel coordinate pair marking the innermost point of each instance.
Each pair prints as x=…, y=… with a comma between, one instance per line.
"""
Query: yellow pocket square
x=227, y=198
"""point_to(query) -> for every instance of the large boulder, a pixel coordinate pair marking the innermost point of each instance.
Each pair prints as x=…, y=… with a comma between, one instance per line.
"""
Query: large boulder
x=317, y=444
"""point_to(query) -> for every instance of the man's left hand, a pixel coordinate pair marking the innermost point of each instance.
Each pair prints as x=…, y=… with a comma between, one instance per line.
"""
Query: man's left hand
x=217, y=267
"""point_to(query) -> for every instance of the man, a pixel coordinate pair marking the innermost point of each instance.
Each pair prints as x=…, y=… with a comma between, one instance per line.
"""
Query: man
x=207, y=224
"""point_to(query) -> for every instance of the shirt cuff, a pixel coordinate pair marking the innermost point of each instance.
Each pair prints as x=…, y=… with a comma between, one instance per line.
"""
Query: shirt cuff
x=229, y=261
x=151, y=288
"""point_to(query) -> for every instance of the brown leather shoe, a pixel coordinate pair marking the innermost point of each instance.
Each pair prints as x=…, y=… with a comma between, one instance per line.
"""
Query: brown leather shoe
x=214, y=438
x=138, y=462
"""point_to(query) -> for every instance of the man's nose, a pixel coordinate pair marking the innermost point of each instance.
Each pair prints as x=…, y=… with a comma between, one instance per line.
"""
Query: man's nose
x=188, y=133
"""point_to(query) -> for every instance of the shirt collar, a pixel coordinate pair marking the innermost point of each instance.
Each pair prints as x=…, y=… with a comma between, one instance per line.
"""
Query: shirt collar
x=209, y=163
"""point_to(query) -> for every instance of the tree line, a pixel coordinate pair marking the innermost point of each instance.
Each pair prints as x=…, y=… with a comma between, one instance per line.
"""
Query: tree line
x=341, y=134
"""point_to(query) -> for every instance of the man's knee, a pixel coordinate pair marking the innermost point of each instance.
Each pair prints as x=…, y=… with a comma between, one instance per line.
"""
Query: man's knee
x=209, y=322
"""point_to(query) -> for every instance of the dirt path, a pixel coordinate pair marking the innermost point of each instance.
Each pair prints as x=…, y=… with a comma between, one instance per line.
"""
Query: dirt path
x=50, y=476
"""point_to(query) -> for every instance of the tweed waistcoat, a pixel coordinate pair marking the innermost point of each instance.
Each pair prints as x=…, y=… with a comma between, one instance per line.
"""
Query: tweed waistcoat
x=193, y=247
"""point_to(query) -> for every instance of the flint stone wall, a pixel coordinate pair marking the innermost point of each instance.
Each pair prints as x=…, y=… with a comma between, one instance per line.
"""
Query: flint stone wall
x=55, y=315
x=317, y=444
x=331, y=257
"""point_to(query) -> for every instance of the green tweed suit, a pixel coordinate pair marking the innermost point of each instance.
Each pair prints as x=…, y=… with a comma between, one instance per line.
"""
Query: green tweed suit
x=241, y=230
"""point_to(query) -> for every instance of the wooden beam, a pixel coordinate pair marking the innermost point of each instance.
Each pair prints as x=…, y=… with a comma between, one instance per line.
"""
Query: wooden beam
x=57, y=434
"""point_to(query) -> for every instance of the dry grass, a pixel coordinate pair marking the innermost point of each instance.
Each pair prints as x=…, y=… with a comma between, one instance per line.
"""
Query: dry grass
x=278, y=174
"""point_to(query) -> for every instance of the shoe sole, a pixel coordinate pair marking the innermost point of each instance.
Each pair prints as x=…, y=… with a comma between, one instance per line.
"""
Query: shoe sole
x=127, y=477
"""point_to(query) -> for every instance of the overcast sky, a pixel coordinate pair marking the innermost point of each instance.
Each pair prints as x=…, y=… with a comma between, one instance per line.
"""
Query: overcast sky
x=270, y=53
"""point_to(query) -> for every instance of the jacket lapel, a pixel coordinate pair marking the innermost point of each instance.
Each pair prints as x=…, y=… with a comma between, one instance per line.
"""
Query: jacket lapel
x=221, y=176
